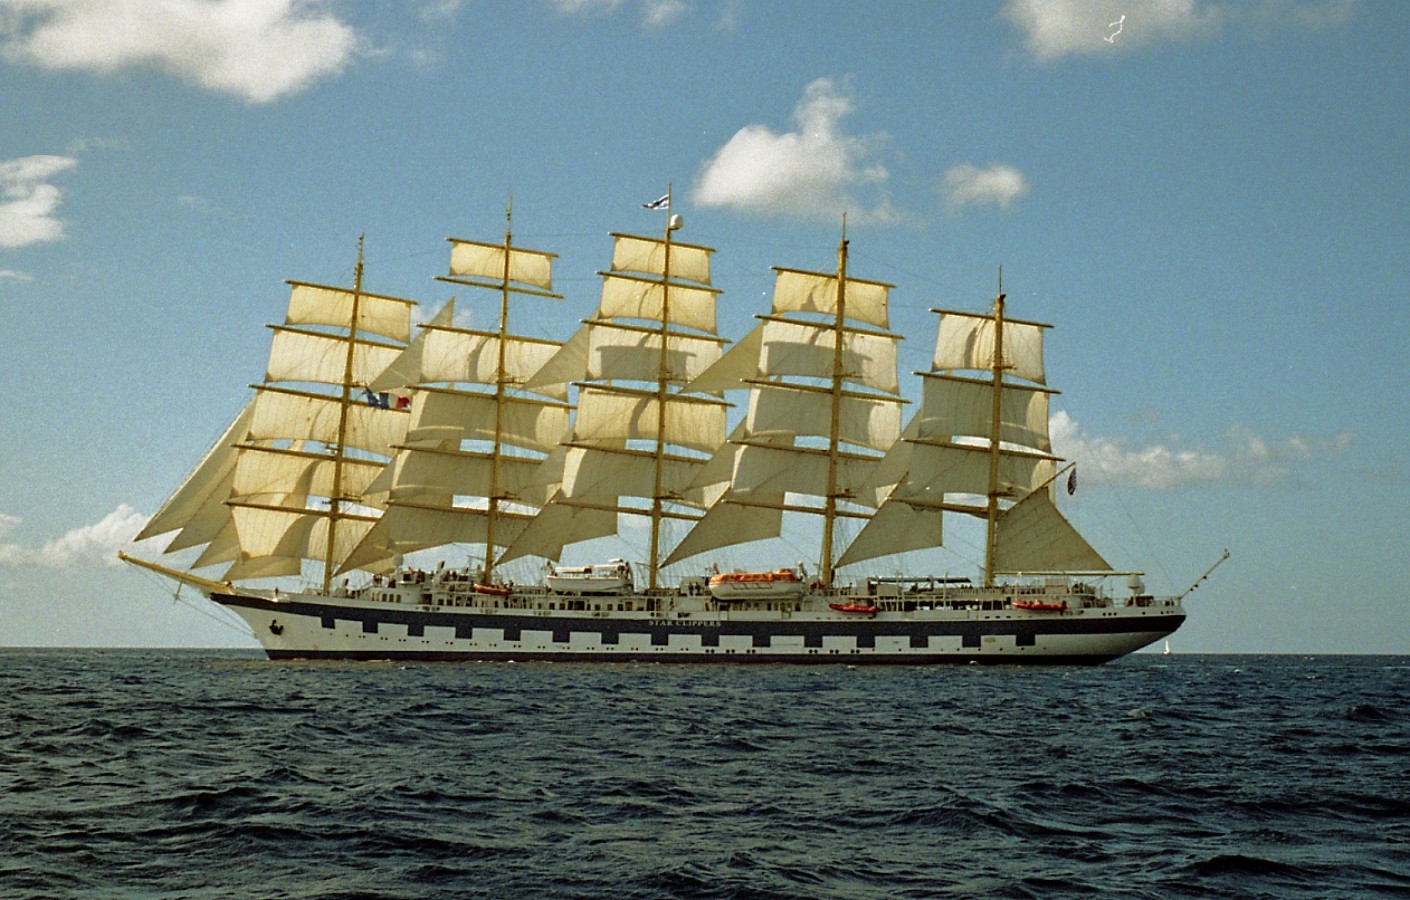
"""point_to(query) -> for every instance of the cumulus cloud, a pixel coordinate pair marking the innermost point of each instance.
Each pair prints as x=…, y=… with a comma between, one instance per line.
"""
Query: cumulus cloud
x=967, y=185
x=99, y=542
x=27, y=214
x=10, y=554
x=576, y=7
x=1246, y=458
x=812, y=172
x=257, y=51
x=1053, y=29
x=1056, y=28
x=662, y=12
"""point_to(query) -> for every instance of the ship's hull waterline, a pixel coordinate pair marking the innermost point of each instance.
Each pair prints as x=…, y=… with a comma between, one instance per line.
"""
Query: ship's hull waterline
x=313, y=626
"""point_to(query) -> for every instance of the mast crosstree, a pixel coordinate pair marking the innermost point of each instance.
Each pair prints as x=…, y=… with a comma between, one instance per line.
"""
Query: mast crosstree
x=478, y=432
x=640, y=434
x=979, y=446
x=824, y=404
x=287, y=480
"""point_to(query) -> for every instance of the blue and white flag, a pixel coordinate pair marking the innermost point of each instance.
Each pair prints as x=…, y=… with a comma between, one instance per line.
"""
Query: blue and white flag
x=378, y=400
x=660, y=203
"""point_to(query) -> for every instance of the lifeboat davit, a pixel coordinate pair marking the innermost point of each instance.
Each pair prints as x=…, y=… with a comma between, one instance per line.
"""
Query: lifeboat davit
x=784, y=584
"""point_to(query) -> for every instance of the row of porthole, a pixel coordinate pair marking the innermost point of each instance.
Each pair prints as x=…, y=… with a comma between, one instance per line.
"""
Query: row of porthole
x=658, y=649
x=811, y=651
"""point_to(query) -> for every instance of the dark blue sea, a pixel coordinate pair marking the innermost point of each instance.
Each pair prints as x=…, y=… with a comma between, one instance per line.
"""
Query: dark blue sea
x=191, y=775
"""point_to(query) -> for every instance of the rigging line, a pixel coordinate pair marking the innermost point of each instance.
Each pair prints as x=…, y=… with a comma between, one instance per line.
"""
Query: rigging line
x=1147, y=548
x=790, y=537
x=909, y=273
x=219, y=620
x=530, y=236
x=176, y=596
x=417, y=255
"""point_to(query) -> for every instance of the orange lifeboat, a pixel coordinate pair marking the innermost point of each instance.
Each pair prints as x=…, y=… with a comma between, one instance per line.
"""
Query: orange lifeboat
x=782, y=584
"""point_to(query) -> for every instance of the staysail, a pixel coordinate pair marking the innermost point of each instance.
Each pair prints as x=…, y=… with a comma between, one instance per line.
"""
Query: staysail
x=979, y=446
x=823, y=404
x=639, y=436
x=286, y=481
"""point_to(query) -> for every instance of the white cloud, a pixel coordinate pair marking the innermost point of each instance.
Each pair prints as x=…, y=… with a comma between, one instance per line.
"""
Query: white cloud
x=812, y=172
x=729, y=15
x=27, y=215
x=1312, y=15
x=662, y=12
x=1246, y=459
x=11, y=554
x=654, y=13
x=1056, y=28
x=967, y=184
x=196, y=202
x=258, y=50
x=13, y=275
x=99, y=542
x=574, y=7
x=436, y=11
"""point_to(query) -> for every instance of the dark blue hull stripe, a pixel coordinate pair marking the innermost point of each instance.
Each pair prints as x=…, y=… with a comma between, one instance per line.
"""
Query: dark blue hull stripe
x=908, y=659
x=1025, y=631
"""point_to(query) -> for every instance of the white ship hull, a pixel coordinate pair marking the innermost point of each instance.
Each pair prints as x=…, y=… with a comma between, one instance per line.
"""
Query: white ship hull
x=667, y=627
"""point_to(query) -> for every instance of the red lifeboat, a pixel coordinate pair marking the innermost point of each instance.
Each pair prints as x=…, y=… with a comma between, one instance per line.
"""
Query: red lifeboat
x=865, y=608
x=1040, y=606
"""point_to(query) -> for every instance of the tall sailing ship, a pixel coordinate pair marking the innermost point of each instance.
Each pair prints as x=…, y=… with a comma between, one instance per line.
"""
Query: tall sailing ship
x=365, y=444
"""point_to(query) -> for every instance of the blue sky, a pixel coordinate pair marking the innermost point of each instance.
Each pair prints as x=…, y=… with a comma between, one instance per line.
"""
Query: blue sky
x=1207, y=200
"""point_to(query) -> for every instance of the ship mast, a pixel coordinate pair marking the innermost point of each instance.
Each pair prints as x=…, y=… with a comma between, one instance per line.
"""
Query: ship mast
x=663, y=373
x=821, y=367
x=501, y=376
x=997, y=368
x=339, y=449
x=433, y=466
x=835, y=413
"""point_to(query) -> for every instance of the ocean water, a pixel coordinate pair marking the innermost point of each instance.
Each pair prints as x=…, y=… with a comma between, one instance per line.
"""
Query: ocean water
x=165, y=774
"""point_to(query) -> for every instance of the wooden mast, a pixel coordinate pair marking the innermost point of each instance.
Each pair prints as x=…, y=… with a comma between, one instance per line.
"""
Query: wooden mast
x=662, y=373
x=339, y=450
x=996, y=410
x=492, y=501
x=834, y=424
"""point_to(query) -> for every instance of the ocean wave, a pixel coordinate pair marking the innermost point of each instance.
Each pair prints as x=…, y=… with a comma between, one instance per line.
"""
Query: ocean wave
x=188, y=776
